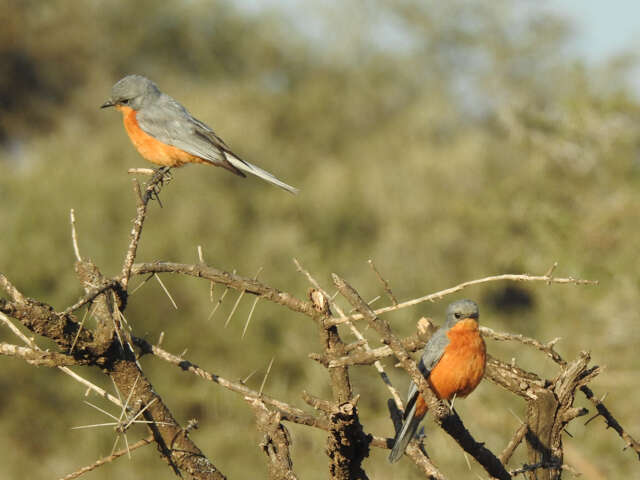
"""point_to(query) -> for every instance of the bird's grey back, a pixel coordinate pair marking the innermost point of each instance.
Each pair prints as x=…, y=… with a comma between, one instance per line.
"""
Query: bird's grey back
x=168, y=121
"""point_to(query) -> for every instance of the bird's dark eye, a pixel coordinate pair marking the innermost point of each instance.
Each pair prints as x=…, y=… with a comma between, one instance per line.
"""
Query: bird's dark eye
x=457, y=315
x=125, y=101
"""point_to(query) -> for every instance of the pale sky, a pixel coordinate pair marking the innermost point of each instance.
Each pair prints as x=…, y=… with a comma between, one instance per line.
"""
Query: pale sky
x=602, y=28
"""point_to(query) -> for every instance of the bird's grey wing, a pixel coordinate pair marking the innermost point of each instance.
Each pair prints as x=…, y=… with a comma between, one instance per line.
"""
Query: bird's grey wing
x=433, y=351
x=431, y=355
x=169, y=122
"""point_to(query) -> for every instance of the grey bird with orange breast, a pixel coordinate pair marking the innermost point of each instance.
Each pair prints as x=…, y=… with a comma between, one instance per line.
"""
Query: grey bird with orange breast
x=165, y=133
x=453, y=363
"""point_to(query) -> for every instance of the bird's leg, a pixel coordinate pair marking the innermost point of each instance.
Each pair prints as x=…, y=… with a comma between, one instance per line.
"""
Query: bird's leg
x=161, y=175
x=451, y=402
x=420, y=436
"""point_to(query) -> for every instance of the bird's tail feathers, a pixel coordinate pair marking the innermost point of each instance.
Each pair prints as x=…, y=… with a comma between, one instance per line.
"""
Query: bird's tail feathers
x=405, y=435
x=258, y=172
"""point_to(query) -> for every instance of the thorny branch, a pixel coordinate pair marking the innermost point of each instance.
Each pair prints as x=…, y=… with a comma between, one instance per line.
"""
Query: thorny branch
x=550, y=402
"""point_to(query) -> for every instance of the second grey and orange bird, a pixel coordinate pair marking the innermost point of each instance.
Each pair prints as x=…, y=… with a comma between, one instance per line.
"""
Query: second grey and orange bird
x=453, y=363
x=165, y=133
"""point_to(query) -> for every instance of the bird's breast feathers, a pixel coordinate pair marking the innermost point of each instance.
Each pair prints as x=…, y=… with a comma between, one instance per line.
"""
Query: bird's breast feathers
x=462, y=365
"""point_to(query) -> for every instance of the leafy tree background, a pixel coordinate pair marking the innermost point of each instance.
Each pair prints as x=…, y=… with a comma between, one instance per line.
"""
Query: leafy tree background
x=445, y=141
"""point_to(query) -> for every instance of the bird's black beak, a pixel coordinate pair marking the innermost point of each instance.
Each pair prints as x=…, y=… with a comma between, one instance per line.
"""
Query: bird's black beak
x=108, y=103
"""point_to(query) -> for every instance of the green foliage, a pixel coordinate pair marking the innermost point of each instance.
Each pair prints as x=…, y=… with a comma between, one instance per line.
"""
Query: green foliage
x=467, y=144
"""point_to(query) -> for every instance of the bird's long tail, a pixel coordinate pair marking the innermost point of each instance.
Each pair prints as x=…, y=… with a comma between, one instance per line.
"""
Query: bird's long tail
x=406, y=433
x=258, y=172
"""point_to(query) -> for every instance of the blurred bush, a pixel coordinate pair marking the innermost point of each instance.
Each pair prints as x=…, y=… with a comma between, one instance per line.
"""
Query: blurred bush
x=445, y=141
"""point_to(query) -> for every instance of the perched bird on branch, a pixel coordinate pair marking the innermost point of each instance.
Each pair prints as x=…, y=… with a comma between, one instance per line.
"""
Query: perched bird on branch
x=166, y=134
x=453, y=363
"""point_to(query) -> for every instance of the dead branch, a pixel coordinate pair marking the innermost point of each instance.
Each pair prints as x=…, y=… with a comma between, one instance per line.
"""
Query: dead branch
x=276, y=440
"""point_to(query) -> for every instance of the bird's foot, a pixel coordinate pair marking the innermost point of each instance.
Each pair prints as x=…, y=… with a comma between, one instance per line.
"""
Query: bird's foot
x=161, y=176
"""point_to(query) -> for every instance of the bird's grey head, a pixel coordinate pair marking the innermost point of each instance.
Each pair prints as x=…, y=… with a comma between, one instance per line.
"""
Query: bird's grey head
x=461, y=309
x=132, y=91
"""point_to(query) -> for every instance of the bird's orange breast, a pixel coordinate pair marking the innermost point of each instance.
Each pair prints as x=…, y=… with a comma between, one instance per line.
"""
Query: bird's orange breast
x=461, y=367
x=151, y=149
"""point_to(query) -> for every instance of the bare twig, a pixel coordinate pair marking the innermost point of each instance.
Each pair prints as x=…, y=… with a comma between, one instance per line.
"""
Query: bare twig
x=110, y=458
x=13, y=292
x=517, y=438
x=74, y=235
x=448, y=291
x=422, y=461
x=385, y=284
x=611, y=421
x=151, y=188
x=546, y=348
